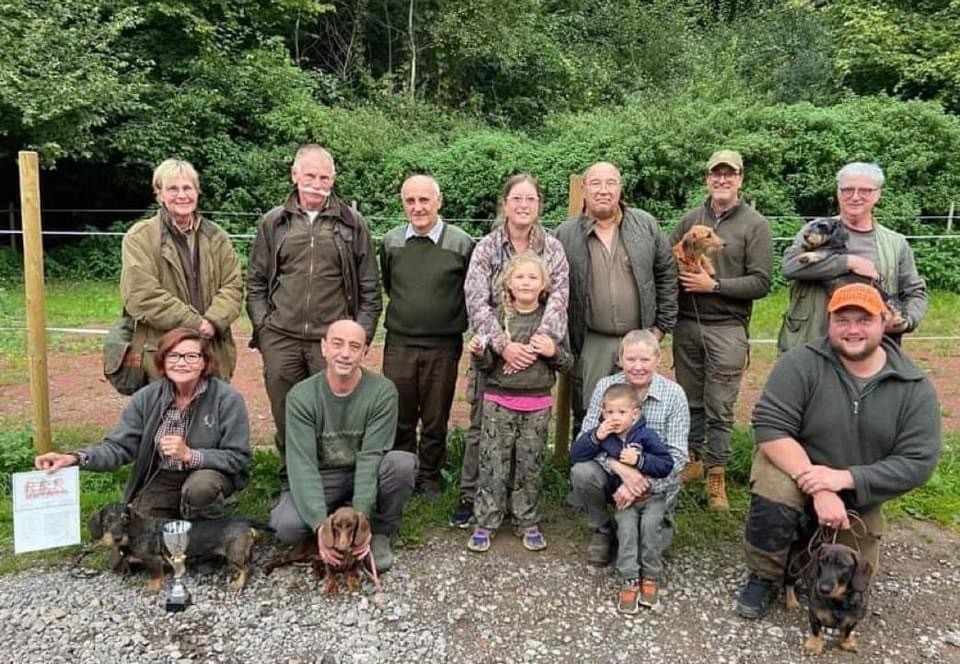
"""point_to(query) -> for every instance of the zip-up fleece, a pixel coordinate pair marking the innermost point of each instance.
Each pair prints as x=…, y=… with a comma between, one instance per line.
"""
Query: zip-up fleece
x=361, y=279
x=887, y=435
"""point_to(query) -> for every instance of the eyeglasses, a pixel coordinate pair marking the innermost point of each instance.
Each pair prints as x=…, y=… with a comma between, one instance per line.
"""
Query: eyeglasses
x=517, y=200
x=862, y=192
x=597, y=185
x=189, y=358
x=723, y=175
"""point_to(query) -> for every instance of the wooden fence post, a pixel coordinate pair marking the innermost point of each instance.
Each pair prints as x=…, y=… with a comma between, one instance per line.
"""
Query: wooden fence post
x=36, y=305
x=561, y=439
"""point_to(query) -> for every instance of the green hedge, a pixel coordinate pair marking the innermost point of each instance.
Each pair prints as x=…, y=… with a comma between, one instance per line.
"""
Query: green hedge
x=792, y=153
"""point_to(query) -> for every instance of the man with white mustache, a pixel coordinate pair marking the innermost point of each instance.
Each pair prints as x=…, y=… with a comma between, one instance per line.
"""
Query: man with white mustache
x=312, y=263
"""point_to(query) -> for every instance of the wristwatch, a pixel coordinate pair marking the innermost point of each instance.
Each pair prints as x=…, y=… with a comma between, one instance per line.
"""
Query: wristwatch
x=716, y=286
x=81, y=458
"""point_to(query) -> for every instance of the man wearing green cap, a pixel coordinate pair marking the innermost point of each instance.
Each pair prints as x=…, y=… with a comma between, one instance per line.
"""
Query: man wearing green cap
x=710, y=348
x=845, y=422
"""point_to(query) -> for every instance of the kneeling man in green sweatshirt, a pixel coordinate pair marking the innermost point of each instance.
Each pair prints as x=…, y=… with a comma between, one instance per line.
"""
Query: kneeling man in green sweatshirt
x=845, y=423
x=341, y=425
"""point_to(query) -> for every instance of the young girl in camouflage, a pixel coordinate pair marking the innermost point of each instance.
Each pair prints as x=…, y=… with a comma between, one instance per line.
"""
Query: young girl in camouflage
x=516, y=409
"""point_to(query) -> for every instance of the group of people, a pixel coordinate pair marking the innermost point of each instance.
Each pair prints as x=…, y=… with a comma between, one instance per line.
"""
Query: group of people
x=846, y=421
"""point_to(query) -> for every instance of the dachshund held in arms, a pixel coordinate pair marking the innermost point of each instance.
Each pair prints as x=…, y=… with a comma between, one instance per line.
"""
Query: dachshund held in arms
x=821, y=238
x=694, y=249
x=837, y=581
x=343, y=531
x=138, y=539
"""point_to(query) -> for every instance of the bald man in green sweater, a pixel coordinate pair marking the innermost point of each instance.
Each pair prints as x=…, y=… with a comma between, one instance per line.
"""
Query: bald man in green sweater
x=424, y=264
x=340, y=429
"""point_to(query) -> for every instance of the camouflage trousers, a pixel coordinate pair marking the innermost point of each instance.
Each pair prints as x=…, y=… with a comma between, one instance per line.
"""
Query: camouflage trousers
x=510, y=439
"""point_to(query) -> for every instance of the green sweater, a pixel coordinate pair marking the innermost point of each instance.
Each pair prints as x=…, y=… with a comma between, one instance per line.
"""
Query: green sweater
x=887, y=435
x=424, y=284
x=327, y=433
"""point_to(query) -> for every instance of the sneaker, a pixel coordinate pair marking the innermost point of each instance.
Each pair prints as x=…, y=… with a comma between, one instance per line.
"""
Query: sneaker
x=648, y=594
x=462, y=515
x=598, y=550
x=382, y=555
x=479, y=542
x=717, y=489
x=755, y=597
x=533, y=539
x=629, y=599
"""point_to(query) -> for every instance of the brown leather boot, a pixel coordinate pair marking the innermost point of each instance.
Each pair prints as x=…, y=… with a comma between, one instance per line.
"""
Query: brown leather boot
x=693, y=471
x=717, y=489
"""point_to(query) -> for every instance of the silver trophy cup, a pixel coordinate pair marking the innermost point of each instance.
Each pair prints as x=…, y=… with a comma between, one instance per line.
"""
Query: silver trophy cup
x=176, y=536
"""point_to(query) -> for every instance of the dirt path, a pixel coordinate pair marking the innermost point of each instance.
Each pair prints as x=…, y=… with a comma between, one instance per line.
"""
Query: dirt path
x=80, y=395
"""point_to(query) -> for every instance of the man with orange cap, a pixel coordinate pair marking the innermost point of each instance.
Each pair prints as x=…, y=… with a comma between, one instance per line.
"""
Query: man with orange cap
x=845, y=423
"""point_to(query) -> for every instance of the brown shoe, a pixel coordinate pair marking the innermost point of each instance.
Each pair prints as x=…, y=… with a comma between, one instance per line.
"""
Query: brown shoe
x=598, y=550
x=717, y=489
x=692, y=472
x=648, y=594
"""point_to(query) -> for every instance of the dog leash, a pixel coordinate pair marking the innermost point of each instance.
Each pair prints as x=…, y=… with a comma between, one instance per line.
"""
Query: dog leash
x=78, y=572
x=372, y=572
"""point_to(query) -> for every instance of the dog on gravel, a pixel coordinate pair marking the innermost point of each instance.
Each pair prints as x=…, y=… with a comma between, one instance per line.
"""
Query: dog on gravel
x=133, y=538
x=343, y=531
x=837, y=579
x=694, y=249
x=821, y=238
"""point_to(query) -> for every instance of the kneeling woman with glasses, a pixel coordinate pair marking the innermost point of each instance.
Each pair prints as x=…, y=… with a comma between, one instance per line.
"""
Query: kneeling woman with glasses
x=187, y=435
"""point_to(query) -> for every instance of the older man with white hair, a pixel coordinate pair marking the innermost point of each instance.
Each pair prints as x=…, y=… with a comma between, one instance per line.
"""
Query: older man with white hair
x=312, y=263
x=874, y=254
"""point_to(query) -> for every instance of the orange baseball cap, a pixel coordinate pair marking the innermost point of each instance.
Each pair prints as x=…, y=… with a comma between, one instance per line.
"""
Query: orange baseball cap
x=857, y=295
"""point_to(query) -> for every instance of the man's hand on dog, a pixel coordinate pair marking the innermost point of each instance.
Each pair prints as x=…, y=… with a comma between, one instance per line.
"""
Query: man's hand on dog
x=831, y=512
x=53, y=461
x=862, y=266
x=175, y=447
x=696, y=282
x=823, y=478
x=334, y=558
x=329, y=555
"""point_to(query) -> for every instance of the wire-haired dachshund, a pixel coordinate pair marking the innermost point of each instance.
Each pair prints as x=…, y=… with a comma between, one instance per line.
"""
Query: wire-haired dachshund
x=133, y=538
x=837, y=578
x=821, y=238
x=694, y=249
x=343, y=531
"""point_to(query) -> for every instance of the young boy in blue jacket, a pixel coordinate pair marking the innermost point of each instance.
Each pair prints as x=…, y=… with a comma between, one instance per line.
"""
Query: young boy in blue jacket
x=623, y=435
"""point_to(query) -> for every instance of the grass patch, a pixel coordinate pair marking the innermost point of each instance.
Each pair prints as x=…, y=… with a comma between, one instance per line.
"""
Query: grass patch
x=697, y=527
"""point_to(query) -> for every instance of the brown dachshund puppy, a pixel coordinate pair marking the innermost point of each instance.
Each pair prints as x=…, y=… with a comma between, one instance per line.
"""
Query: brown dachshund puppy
x=694, y=249
x=343, y=531
x=838, y=579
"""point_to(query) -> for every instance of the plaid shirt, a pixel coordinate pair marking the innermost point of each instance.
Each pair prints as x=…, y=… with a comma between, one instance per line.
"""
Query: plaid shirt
x=176, y=422
x=667, y=413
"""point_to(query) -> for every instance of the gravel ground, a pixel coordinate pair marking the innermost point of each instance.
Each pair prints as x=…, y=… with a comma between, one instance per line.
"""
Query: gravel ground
x=443, y=604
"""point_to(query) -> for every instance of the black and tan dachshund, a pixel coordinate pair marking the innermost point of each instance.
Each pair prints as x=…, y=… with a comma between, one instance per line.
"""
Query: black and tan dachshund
x=137, y=539
x=838, y=577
